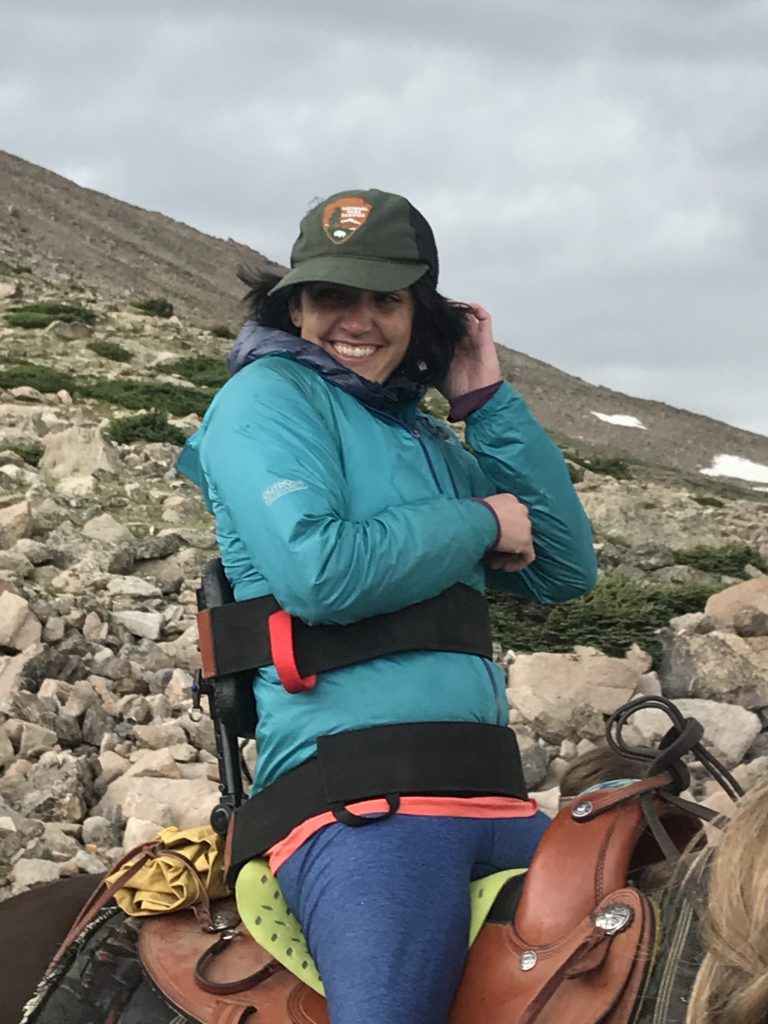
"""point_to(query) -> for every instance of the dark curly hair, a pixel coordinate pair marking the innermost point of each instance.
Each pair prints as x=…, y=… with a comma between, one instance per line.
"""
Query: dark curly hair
x=439, y=326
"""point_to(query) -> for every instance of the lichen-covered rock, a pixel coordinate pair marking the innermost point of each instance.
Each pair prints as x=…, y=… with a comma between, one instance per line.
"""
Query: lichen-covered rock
x=157, y=735
x=80, y=452
x=716, y=666
x=181, y=802
x=15, y=523
x=6, y=747
x=144, y=624
x=29, y=871
x=722, y=607
x=567, y=696
x=58, y=788
x=750, y=621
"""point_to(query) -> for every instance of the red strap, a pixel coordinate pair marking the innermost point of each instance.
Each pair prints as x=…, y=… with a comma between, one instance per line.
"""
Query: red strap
x=283, y=656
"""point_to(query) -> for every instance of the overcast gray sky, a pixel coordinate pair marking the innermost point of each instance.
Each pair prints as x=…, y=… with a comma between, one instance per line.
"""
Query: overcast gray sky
x=594, y=170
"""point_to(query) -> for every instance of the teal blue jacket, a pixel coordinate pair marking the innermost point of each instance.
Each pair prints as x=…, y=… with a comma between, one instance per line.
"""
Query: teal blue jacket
x=345, y=504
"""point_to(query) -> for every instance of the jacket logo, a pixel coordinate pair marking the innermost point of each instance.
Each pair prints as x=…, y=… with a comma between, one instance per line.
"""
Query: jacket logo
x=343, y=217
x=280, y=489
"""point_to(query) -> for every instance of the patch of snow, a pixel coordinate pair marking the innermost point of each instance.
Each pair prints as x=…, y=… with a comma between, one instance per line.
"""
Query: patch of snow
x=617, y=420
x=760, y=489
x=738, y=468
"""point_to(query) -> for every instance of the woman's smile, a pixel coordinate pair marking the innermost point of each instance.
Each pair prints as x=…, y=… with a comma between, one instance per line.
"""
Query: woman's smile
x=369, y=332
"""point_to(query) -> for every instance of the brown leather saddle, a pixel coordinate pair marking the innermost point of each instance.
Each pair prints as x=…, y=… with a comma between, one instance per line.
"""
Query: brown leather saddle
x=227, y=979
x=577, y=948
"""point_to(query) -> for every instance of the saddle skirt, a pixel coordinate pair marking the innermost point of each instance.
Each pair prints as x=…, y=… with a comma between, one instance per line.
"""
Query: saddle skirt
x=170, y=946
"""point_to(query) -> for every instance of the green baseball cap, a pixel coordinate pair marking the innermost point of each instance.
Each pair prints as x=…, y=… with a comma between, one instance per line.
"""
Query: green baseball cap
x=366, y=239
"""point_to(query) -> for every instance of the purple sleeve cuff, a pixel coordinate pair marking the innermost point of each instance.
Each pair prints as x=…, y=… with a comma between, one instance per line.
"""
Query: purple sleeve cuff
x=465, y=405
x=497, y=538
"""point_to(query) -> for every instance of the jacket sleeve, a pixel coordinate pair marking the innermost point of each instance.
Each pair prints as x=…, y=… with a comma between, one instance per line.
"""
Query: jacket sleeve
x=516, y=455
x=273, y=468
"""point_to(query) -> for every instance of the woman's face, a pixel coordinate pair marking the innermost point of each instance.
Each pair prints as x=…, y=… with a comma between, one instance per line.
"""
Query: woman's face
x=369, y=332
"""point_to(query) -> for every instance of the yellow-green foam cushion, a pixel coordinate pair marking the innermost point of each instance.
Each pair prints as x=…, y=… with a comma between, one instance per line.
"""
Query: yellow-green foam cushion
x=266, y=916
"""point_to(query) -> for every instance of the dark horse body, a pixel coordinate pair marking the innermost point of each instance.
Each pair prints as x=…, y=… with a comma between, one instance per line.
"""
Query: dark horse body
x=33, y=926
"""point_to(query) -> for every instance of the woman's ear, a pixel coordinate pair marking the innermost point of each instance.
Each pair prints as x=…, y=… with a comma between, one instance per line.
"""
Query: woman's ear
x=294, y=310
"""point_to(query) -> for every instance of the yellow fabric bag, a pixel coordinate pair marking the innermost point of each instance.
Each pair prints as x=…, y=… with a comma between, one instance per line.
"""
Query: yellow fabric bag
x=158, y=878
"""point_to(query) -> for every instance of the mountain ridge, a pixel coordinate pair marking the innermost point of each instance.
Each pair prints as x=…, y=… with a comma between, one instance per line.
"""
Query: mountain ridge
x=73, y=241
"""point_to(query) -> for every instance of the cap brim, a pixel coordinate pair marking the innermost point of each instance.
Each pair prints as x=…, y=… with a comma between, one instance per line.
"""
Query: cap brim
x=371, y=275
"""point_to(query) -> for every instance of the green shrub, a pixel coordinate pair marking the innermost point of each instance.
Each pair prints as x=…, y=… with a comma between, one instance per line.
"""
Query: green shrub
x=616, y=614
x=205, y=371
x=222, y=331
x=149, y=426
x=728, y=560
x=608, y=465
x=41, y=314
x=111, y=350
x=28, y=321
x=135, y=394
x=23, y=374
x=708, y=501
x=128, y=394
x=155, y=307
x=30, y=453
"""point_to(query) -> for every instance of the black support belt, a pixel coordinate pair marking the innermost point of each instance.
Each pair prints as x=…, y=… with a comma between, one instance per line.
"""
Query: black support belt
x=246, y=635
x=390, y=761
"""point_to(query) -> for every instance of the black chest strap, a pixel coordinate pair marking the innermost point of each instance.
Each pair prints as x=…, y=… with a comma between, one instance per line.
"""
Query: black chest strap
x=390, y=761
x=246, y=635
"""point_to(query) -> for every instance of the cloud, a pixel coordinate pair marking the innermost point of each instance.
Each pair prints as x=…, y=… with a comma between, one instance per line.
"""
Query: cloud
x=594, y=171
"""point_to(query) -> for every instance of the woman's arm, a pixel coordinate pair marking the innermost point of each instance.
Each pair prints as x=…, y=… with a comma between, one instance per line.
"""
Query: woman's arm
x=516, y=455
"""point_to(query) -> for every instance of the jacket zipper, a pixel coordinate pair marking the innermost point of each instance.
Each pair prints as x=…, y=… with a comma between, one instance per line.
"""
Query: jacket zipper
x=415, y=433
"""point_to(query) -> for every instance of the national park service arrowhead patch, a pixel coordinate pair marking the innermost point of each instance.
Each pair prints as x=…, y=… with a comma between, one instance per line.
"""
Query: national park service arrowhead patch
x=343, y=217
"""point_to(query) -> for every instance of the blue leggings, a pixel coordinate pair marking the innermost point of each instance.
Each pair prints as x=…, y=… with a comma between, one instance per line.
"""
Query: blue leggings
x=385, y=908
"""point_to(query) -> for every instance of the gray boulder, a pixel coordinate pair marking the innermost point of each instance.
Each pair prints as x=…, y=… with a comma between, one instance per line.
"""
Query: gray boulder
x=567, y=696
x=717, y=666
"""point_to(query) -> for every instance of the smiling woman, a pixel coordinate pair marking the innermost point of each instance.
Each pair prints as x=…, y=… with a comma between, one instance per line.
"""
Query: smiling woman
x=334, y=493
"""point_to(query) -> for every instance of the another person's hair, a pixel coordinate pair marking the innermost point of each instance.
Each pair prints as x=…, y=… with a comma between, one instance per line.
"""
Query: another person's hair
x=439, y=326
x=732, y=984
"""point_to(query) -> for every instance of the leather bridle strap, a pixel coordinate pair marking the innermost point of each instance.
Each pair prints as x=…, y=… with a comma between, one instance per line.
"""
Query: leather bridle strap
x=104, y=893
x=99, y=899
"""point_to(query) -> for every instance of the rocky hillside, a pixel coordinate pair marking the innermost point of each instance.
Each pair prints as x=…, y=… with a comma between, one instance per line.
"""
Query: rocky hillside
x=72, y=236
x=101, y=544
x=78, y=241
x=654, y=437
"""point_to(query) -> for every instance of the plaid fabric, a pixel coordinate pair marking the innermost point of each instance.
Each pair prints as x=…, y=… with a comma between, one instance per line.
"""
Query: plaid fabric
x=101, y=981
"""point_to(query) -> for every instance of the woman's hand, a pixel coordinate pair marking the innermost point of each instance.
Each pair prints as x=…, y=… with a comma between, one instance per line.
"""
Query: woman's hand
x=514, y=550
x=475, y=364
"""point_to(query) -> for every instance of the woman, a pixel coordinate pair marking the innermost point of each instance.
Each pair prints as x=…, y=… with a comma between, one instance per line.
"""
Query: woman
x=335, y=494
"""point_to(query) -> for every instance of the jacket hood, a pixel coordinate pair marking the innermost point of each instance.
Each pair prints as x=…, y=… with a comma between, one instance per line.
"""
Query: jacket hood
x=254, y=341
x=397, y=397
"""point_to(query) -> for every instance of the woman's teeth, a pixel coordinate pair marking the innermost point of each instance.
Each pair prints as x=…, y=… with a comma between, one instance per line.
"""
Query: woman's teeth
x=359, y=351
